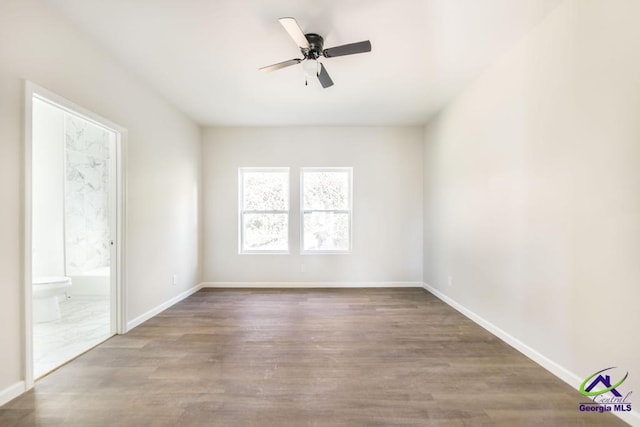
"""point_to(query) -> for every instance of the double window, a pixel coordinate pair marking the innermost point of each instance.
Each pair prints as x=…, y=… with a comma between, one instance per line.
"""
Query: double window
x=325, y=210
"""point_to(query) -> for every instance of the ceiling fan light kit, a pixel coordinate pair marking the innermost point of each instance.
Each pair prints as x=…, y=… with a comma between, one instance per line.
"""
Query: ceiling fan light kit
x=312, y=48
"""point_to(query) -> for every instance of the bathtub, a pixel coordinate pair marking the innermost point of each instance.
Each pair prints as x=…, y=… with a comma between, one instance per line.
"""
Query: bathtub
x=93, y=282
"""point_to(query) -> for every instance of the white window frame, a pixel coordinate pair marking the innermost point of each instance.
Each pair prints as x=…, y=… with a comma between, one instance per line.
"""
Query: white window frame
x=349, y=211
x=241, y=210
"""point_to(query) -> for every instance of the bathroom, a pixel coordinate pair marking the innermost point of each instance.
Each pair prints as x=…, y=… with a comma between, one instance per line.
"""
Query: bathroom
x=72, y=222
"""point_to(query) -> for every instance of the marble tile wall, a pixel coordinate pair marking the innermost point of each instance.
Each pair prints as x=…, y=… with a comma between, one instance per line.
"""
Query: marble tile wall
x=86, y=196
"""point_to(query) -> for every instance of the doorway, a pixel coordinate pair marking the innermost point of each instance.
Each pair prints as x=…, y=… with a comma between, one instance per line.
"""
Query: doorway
x=74, y=241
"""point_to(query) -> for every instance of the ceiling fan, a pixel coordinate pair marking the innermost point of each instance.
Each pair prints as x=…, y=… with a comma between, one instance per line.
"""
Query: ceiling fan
x=311, y=46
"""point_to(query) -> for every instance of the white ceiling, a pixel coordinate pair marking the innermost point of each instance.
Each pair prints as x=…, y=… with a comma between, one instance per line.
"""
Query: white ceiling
x=204, y=55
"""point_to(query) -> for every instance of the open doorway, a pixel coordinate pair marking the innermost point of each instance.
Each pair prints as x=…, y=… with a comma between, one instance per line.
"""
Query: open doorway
x=73, y=286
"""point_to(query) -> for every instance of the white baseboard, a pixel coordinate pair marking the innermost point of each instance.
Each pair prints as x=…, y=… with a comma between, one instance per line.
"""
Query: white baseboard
x=312, y=284
x=162, y=307
x=556, y=369
x=540, y=359
x=11, y=392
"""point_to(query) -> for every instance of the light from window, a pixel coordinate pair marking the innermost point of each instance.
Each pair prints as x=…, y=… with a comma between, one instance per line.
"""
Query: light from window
x=264, y=210
x=326, y=209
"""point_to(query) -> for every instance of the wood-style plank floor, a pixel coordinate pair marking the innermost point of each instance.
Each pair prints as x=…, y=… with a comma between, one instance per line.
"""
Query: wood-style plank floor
x=304, y=357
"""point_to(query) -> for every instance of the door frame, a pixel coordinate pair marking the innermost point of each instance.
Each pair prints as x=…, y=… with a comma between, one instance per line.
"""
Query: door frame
x=118, y=282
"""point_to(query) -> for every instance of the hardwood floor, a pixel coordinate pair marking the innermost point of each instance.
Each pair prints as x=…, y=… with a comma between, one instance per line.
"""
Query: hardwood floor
x=303, y=357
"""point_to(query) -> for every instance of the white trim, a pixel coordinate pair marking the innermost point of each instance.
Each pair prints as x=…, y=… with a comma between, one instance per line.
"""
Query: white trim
x=121, y=231
x=311, y=284
x=70, y=107
x=28, y=238
x=532, y=354
x=556, y=369
x=162, y=307
x=11, y=392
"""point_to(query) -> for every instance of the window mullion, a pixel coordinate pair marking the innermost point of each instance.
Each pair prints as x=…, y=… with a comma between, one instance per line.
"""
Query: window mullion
x=264, y=212
x=335, y=211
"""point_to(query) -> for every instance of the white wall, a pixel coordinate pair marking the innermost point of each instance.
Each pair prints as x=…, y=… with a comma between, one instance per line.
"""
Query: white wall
x=532, y=191
x=48, y=190
x=387, y=207
x=163, y=168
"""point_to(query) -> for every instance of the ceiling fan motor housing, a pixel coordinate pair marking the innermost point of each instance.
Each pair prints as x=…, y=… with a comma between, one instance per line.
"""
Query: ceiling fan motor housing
x=312, y=48
x=315, y=46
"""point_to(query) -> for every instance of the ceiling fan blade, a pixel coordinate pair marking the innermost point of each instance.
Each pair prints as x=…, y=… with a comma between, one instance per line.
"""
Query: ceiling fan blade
x=280, y=65
x=294, y=31
x=348, y=49
x=324, y=78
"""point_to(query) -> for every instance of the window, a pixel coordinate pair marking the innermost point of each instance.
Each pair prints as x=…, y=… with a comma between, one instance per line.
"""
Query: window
x=264, y=210
x=326, y=210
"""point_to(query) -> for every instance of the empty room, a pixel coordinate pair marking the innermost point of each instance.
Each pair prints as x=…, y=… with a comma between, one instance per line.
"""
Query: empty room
x=327, y=213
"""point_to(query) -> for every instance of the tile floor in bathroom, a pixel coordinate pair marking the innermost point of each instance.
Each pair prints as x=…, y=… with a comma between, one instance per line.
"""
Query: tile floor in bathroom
x=84, y=324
